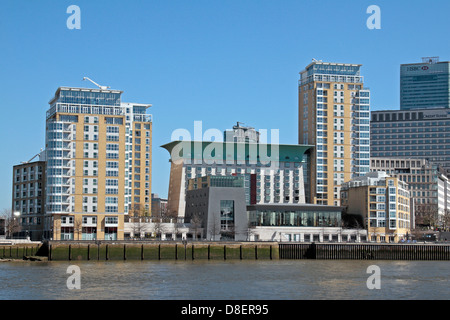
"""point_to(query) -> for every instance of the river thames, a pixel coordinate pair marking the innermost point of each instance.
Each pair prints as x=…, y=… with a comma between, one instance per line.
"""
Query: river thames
x=226, y=280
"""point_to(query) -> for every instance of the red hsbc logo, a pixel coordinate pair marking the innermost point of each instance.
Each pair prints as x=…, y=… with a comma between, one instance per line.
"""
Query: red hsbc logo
x=425, y=68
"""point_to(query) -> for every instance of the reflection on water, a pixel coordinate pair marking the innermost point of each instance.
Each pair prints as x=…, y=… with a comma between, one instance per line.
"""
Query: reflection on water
x=226, y=280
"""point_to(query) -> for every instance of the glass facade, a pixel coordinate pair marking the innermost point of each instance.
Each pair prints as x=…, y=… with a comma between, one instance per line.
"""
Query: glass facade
x=294, y=218
x=60, y=149
x=331, y=72
x=227, y=181
x=425, y=85
x=89, y=97
x=338, y=69
x=226, y=215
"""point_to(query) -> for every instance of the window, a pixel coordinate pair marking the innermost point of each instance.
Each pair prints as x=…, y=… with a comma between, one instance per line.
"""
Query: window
x=111, y=220
x=112, y=147
x=110, y=129
x=112, y=200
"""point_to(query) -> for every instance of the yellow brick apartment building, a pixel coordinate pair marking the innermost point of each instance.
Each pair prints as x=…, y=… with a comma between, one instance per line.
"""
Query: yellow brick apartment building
x=98, y=155
x=383, y=202
x=334, y=115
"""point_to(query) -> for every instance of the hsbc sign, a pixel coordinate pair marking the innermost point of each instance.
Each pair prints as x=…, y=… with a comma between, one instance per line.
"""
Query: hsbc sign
x=423, y=68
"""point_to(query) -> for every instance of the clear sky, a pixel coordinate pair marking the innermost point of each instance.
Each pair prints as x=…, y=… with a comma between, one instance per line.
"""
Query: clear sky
x=215, y=61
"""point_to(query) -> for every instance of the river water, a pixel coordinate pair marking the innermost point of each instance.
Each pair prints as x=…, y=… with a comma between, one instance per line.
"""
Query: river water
x=226, y=280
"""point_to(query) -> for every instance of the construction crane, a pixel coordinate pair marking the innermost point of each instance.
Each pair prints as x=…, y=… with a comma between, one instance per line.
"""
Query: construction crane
x=101, y=87
x=25, y=162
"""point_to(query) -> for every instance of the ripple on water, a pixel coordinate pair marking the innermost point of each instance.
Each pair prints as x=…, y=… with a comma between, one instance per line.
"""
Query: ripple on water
x=226, y=280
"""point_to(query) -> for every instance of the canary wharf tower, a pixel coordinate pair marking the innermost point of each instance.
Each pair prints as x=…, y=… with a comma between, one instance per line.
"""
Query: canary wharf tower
x=425, y=85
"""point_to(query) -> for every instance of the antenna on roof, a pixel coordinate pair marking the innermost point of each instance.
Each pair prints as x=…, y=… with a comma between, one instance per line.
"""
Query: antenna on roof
x=101, y=87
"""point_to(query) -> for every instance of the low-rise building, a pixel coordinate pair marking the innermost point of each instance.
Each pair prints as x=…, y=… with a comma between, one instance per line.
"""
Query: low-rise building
x=300, y=223
x=218, y=205
x=383, y=202
x=427, y=182
x=29, y=198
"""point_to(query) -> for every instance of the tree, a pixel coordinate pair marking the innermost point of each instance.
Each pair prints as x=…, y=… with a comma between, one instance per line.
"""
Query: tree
x=138, y=226
x=427, y=215
x=77, y=228
x=196, y=223
x=251, y=230
x=12, y=223
x=137, y=217
x=446, y=219
x=158, y=227
x=214, y=230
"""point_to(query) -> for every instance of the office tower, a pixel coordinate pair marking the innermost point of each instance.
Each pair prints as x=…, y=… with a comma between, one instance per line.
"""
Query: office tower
x=28, y=198
x=278, y=178
x=383, y=202
x=425, y=84
x=428, y=185
x=415, y=134
x=334, y=114
x=98, y=153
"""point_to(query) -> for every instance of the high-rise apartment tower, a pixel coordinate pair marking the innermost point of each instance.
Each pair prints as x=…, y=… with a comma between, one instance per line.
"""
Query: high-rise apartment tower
x=334, y=115
x=98, y=152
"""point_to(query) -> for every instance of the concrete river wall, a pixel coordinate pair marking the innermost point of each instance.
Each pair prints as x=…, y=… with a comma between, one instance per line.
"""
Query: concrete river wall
x=146, y=250
x=161, y=251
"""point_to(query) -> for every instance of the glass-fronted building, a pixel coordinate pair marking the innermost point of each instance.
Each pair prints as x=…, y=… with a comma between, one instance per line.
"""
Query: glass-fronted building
x=425, y=85
x=294, y=216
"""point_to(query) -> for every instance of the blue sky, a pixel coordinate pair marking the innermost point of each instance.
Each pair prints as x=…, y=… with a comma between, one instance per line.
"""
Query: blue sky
x=215, y=61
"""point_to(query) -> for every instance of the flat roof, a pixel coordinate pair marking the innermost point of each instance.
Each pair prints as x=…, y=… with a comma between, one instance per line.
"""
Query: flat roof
x=82, y=89
x=333, y=63
x=293, y=207
x=417, y=63
x=411, y=110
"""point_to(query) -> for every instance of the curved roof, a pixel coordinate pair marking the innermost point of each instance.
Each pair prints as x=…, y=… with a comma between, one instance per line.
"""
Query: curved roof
x=207, y=150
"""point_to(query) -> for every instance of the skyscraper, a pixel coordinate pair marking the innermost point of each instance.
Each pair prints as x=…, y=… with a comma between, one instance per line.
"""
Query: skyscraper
x=334, y=115
x=425, y=85
x=98, y=152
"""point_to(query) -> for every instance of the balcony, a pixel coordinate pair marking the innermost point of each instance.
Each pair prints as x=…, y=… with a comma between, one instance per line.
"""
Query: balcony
x=143, y=117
